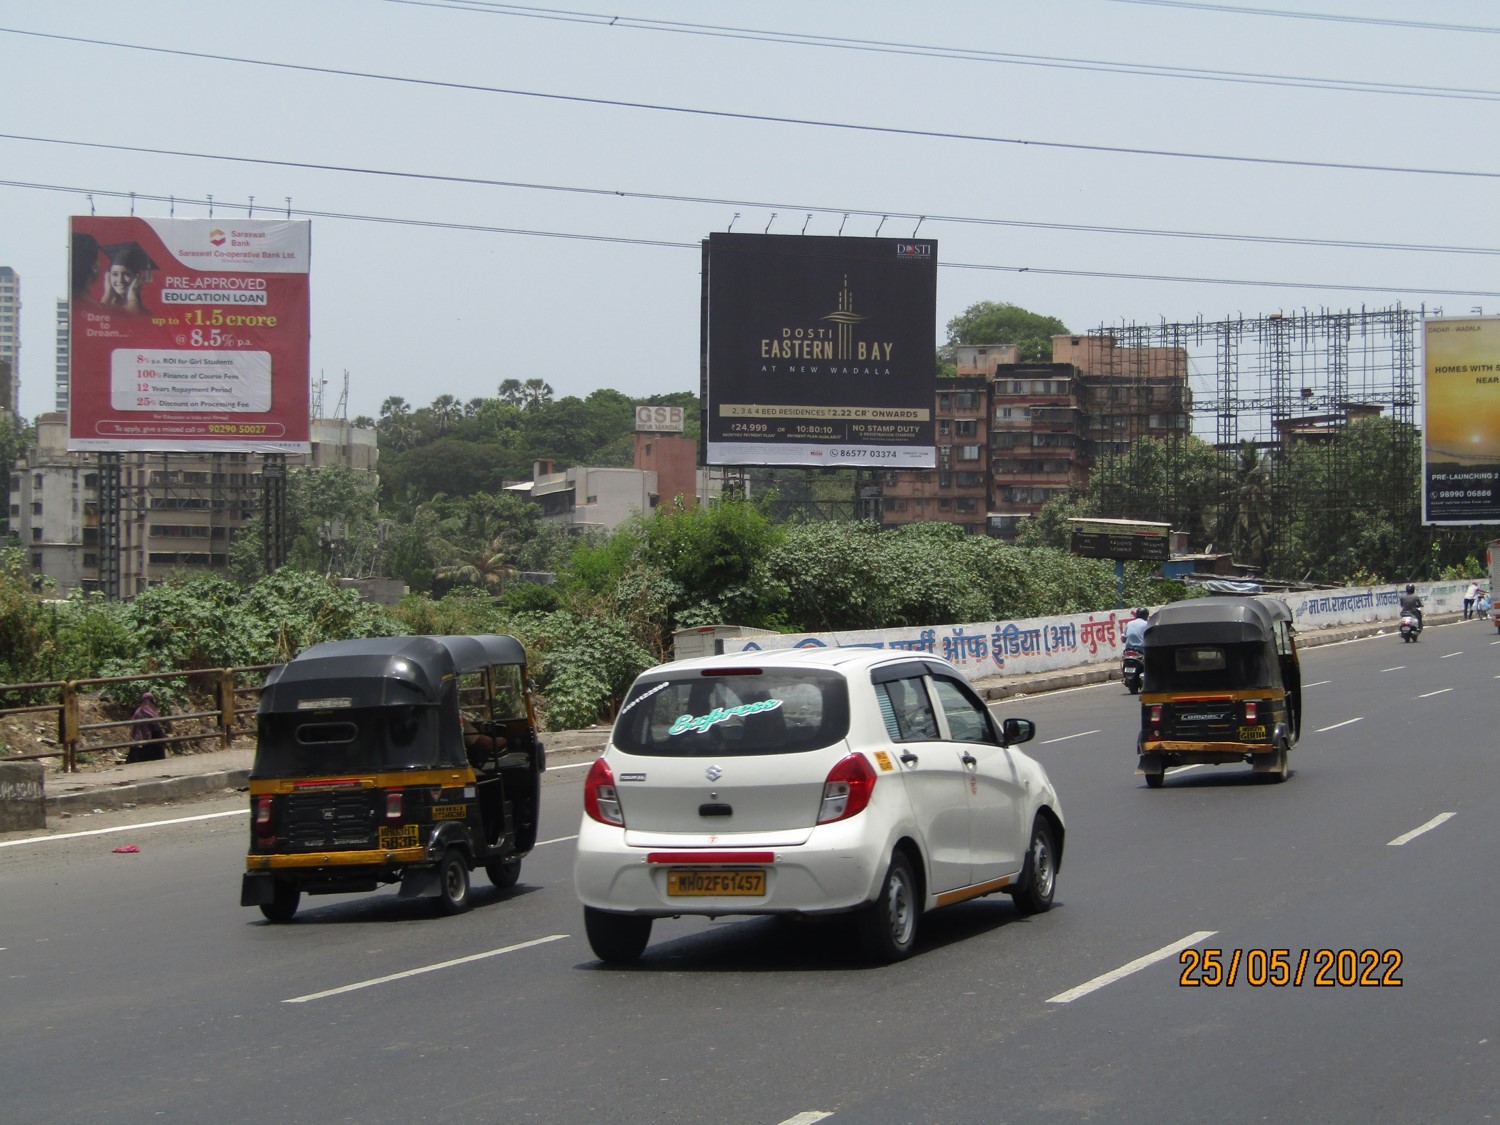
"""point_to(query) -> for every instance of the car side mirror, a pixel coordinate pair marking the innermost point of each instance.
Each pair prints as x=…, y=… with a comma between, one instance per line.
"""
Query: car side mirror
x=1014, y=731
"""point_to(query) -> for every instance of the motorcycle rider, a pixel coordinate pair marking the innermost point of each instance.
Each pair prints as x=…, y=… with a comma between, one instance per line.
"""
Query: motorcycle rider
x=1135, y=632
x=1412, y=604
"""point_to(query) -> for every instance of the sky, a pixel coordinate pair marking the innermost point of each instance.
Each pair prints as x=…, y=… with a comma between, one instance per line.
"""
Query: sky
x=504, y=191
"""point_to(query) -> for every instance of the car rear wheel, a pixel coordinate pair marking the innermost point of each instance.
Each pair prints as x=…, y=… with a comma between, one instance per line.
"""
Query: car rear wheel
x=283, y=904
x=616, y=939
x=504, y=873
x=1039, y=874
x=453, y=883
x=888, y=926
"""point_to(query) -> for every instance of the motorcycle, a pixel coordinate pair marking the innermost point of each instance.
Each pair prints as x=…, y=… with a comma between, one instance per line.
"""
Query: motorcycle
x=1411, y=627
x=1133, y=669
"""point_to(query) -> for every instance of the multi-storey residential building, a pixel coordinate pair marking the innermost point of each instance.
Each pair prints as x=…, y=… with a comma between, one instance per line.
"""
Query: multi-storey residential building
x=60, y=367
x=10, y=339
x=1033, y=431
x=178, y=511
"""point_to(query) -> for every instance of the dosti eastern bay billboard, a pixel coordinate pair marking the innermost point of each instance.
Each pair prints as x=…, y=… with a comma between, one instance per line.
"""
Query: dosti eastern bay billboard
x=819, y=351
x=188, y=334
x=1461, y=431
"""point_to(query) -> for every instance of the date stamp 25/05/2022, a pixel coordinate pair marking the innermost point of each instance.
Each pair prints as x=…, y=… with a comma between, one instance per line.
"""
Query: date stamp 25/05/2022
x=1281, y=968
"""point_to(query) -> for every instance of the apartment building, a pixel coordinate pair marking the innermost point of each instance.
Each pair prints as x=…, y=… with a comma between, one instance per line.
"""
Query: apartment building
x=10, y=341
x=1012, y=436
x=178, y=512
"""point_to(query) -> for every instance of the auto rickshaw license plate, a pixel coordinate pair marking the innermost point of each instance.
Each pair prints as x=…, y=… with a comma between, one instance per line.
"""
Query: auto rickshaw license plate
x=688, y=882
x=403, y=837
x=1252, y=734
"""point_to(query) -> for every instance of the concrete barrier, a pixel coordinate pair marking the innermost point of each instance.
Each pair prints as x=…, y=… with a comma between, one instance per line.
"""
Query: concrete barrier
x=23, y=799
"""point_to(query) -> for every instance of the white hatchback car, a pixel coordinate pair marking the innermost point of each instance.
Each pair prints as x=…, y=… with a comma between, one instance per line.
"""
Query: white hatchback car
x=807, y=782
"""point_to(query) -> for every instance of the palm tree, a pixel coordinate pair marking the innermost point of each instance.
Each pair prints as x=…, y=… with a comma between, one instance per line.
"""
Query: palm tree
x=446, y=413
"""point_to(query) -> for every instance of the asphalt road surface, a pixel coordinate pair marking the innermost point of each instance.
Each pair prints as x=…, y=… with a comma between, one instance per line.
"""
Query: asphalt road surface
x=137, y=989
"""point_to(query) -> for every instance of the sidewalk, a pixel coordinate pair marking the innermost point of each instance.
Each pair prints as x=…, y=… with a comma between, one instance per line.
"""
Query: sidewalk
x=194, y=775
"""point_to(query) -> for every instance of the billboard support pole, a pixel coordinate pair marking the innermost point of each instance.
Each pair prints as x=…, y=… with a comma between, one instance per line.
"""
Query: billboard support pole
x=109, y=526
x=273, y=511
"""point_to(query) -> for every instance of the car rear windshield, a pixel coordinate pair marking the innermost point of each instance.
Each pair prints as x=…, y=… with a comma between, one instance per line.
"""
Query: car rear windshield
x=754, y=711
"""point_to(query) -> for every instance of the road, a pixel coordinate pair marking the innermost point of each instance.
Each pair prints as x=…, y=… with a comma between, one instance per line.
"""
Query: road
x=137, y=989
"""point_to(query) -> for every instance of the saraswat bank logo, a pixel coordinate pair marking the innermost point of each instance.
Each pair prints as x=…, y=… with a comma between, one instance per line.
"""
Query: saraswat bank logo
x=835, y=344
x=217, y=237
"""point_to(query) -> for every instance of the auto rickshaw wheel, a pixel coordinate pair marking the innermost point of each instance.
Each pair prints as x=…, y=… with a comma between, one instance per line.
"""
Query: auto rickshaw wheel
x=453, y=883
x=1156, y=780
x=1283, y=767
x=284, y=900
x=504, y=873
x=616, y=939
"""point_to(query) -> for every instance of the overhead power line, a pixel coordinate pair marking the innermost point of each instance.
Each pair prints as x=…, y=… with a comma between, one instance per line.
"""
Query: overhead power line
x=960, y=54
x=773, y=205
x=763, y=118
x=1373, y=21
x=479, y=228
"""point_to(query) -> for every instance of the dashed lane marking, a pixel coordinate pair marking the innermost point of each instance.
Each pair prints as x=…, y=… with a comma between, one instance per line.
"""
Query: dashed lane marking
x=423, y=969
x=1133, y=967
x=1415, y=832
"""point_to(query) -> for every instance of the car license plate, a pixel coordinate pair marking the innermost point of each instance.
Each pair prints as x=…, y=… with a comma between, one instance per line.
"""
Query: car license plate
x=684, y=881
x=403, y=837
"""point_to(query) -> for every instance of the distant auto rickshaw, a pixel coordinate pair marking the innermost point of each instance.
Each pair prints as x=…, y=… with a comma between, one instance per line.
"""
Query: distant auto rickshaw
x=1222, y=685
x=408, y=760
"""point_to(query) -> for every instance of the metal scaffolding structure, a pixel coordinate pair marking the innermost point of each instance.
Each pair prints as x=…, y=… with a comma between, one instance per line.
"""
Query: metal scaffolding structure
x=1270, y=382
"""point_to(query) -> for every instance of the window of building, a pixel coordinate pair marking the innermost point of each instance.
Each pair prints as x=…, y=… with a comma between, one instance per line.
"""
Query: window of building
x=945, y=427
x=945, y=504
x=15, y=509
x=965, y=428
x=15, y=484
x=964, y=400
x=945, y=402
x=36, y=562
x=967, y=504
x=945, y=480
x=90, y=559
x=968, y=453
x=36, y=507
x=36, y=480
x=36, y=535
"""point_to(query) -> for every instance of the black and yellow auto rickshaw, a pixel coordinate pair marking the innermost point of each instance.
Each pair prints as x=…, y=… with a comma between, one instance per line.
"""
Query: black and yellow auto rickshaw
x=393, y=759
x=1222, y=685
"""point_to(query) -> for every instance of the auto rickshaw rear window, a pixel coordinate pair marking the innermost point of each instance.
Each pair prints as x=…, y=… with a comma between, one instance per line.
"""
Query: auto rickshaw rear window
x=311, y=734
x=1210, y=667
x=1199, y=659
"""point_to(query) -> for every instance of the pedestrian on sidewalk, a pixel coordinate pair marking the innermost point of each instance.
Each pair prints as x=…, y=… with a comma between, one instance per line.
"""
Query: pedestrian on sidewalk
x=1469, y=595
x=147, y=735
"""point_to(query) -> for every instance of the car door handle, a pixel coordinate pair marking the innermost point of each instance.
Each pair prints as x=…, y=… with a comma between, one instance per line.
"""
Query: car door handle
x=908, y=758
x=969, y=759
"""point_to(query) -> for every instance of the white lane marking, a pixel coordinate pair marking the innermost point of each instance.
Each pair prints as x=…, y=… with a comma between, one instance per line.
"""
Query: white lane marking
x=1184, y=769
x=1430, y=694
x=1445, y=656
x=571, y=766
x=806, y=1117
x=1336, y=726
x=423, y=969
x=1317, y=683
x=555, y=840
x=1065, y=737
x=1396, y=668
x=1415, y=832
x=1133, y=967
x=122, y=828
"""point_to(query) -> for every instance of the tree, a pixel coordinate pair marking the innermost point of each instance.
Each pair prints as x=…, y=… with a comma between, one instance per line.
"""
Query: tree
x=395, y=425
x=992, y=322
x=446, y=413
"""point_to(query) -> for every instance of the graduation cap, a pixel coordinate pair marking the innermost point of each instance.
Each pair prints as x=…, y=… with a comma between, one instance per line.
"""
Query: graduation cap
x=131, y=255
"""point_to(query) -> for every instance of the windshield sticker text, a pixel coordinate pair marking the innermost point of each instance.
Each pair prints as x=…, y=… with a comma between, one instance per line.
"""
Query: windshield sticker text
x=701, y=723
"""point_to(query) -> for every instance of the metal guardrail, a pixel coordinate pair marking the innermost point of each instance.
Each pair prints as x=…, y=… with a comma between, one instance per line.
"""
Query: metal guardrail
x=63, y=700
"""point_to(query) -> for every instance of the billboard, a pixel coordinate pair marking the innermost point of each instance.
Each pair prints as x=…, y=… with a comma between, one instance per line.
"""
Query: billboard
x=188, y=334
x=1461, y=421
x=657, y=419
x=1121, y=539
x=819, y=351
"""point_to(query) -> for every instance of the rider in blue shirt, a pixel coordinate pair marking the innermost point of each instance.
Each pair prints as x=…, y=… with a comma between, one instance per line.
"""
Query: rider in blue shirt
x=1135, y=632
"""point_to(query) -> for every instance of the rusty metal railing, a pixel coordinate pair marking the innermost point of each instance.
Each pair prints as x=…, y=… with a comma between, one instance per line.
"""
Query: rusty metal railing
x=227, y=718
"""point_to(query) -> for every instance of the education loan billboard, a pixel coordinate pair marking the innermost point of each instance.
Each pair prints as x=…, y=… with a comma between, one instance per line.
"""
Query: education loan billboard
x=188, y=334
x=1461, y=430
x=819, y=351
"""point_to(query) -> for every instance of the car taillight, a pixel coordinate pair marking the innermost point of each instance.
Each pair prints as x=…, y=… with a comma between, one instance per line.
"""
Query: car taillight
x=1156, y=714
x=263, y=811
x=1250, y=711
x=847, y=790
x=393, y=804
x=600, y=799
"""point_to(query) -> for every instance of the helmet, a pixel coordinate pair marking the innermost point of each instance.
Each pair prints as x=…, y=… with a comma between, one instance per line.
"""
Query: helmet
x=1410, y=589
x=1143, y=613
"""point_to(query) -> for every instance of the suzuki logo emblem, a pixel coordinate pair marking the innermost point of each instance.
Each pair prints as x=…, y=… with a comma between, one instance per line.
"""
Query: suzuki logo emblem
x=713, y=773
